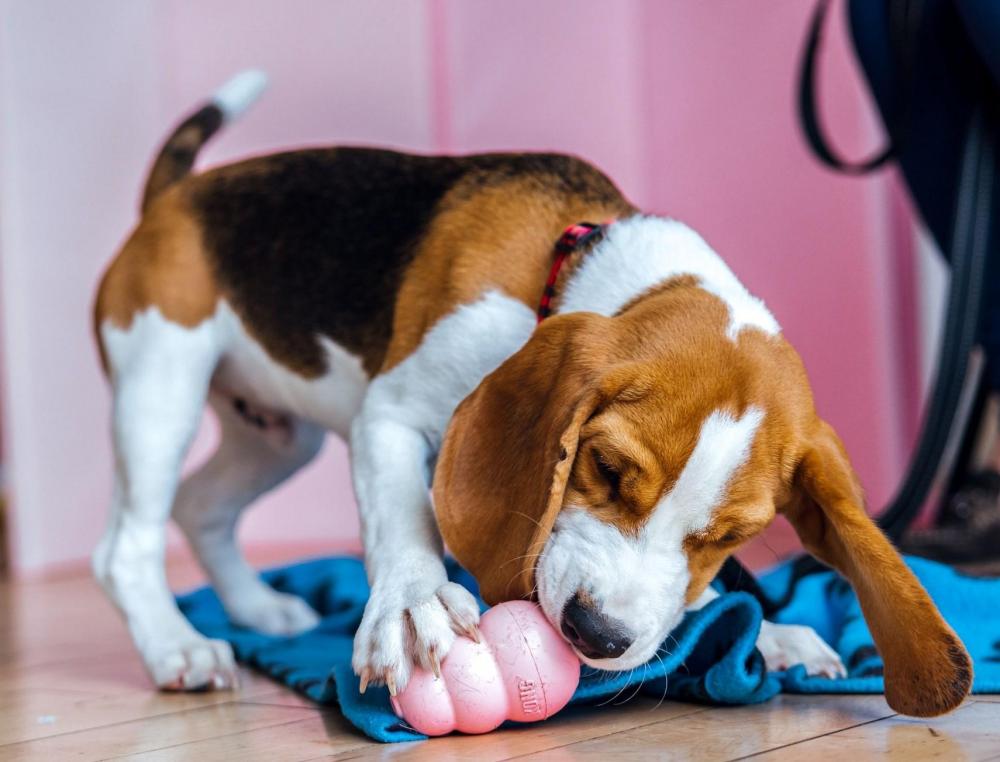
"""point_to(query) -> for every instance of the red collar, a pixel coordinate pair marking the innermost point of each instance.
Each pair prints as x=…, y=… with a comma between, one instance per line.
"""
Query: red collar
x=572, y=239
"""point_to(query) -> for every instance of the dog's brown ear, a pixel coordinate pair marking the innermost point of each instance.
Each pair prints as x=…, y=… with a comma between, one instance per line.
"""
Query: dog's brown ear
x=927, y=669
x=509, y=450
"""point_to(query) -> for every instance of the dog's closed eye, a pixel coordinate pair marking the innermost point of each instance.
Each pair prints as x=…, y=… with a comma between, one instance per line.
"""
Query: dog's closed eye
x=723, y=535
x=611, y=475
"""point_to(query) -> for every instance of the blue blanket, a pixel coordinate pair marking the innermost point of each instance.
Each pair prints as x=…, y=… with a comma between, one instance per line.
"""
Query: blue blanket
x=709, y=658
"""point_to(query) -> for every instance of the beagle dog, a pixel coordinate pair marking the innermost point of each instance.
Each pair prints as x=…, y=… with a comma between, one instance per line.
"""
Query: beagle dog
x=604, y=461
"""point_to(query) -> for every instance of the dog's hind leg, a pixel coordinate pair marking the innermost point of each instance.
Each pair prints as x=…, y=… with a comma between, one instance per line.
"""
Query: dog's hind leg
x=160, y=373
x=255, y=454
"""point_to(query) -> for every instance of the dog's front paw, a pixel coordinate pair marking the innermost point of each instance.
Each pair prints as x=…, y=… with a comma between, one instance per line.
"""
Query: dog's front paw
x=409, y=626
x=785, y=645
x=192, y=664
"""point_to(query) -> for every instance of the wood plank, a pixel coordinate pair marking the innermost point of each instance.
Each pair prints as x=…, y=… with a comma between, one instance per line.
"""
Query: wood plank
x=36, y=713
x=726, y=733
x=43, y=621
x=67, y=665
x=572, y=725
x=275, y=694
x=81, y=694
x=320, y=734
x=970, y=733
x=151, y=733
x=121, y=673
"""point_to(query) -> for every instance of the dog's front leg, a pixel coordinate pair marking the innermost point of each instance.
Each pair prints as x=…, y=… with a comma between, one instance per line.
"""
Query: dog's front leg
x=414, y=613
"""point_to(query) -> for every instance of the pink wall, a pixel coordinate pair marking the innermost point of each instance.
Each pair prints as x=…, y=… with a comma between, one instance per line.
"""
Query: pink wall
x=686, y=105
x=77, y=110
x=726, y=155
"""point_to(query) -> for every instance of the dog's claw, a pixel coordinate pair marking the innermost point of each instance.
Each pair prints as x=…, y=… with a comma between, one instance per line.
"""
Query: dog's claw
x=366, y=676
x=176, y=684
x=415, y=627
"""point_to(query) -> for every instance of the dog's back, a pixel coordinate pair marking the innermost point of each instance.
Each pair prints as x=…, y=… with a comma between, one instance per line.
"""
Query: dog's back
x=313, y=242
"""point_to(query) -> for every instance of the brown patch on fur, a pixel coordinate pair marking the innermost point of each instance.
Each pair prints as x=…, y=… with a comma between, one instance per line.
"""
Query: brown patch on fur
x=494, y=233
x=733, y=525
x=163, y=265
x=703, y=566
x=684, y=282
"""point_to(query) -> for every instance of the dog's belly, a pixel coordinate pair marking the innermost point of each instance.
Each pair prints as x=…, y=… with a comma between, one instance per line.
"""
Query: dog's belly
x=246, y=372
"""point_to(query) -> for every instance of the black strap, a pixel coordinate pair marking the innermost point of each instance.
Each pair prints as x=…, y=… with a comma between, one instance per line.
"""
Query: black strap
x=905, y=19
x=969, y=249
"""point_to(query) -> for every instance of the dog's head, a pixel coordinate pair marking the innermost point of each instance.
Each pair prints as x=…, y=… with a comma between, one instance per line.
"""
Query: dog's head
x=611, y=465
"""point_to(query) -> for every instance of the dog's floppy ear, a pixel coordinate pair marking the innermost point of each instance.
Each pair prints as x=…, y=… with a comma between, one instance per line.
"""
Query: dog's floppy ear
x=927, y=669
x=509, y=450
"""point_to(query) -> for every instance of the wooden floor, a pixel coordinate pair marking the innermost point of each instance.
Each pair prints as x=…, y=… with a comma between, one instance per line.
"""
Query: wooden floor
x=71, y=688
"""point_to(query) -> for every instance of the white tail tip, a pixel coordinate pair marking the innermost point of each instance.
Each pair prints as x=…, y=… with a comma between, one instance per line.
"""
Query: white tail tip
x=237, y=95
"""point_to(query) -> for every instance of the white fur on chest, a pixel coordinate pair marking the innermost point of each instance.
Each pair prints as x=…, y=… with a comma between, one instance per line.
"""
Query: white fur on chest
x=246, y=370
x=456, y=354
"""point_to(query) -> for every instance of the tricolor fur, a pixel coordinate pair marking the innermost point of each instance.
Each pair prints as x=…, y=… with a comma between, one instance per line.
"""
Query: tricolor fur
x=605, y=462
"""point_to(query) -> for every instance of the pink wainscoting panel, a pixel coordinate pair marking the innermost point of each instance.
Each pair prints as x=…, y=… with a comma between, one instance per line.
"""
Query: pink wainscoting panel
x=352, y=71
x=78, y=86
x=557, y=76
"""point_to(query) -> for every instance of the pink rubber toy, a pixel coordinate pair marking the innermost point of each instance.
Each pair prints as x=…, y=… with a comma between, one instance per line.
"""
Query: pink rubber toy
x=523, y=671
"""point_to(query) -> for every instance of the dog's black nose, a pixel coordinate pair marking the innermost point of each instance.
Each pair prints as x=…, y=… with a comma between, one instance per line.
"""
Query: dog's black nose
x=594, y=635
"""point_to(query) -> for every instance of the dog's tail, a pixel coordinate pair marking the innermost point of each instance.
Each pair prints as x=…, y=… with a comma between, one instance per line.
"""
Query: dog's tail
x=178, y=153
